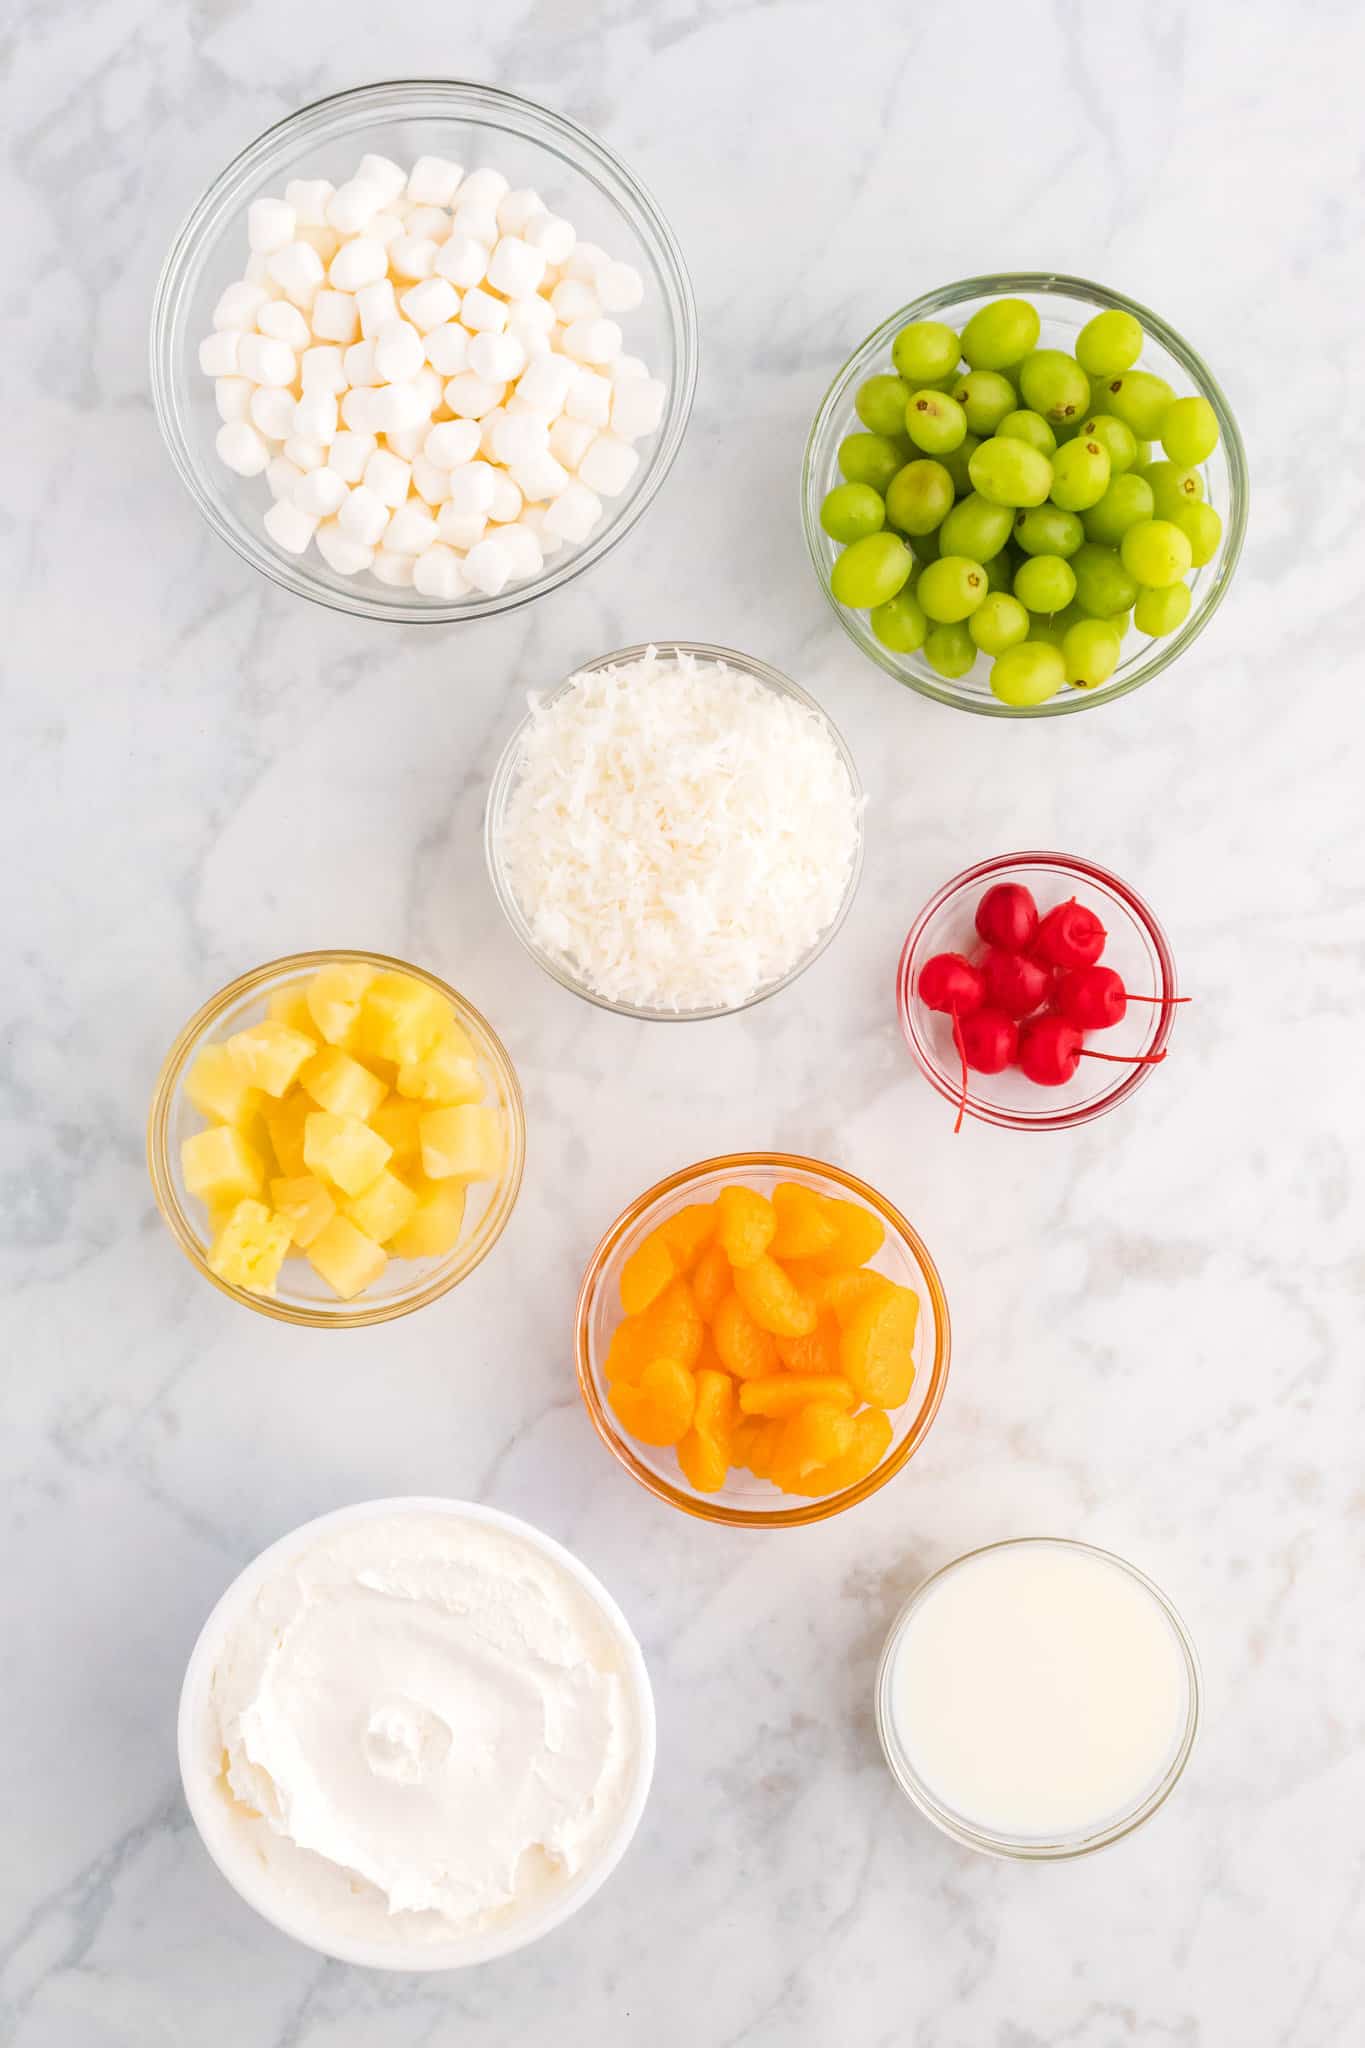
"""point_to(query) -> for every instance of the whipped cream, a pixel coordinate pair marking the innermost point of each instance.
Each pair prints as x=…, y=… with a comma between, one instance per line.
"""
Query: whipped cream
x=423, y=1726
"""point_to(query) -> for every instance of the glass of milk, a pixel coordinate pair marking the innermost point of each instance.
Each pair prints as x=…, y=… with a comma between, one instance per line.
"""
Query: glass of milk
x=1038, y=1698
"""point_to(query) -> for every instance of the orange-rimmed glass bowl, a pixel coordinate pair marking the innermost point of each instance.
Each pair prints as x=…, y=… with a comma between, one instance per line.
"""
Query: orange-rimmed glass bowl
x=303, y=1296
x=746, y=1502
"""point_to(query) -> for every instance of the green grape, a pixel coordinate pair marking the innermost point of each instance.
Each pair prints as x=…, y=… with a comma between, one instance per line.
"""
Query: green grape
x=1121, y=623
x=1045, y=583
x=949, y=650
x=986, y=397
x=869, y=459
x=998, y=622
x=925, y=351
x=919, y=496
x=1047, y=530
x=1127, y=500
x=1028, y=675
x=1030, y=427
x=900, y=623
x=957, y=462
x=951, y=588
x=1103, y=585
x=1143, y=456
x=1109, y=343
x=1189, y=430
x=1161, y=611
x=1000, y=571
x=1119, y=442
x=851, y=512
x=1091, y=650
x=870, y=571
x=935, y=422
x=1080, y=474
x=1173, y=488
x=1155, y=552
x=1000, y=334
x=926, y=546
x=1009, y=472
x=1139, y=399
x=1052, y=628
x=1054, y=384
x=880, y=405
x=1203, y=529
x=976, y=527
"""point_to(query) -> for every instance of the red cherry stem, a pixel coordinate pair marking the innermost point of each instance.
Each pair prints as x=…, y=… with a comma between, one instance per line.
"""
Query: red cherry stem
x=1131, y=998
x=960, y=1042
x=1126, y=1059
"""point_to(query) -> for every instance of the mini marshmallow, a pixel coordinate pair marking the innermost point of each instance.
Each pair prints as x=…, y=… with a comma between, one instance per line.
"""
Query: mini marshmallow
x=411, y=530
x=447, y=347
x=437, y=573
x=272, y=412
x=218, y=352
x=428, y=223
x=358, y=263
x=388, y=476
x=585, y=261
x=376, y=304
x=589, y=398
x=298, y=270
x=471, y=488
x=484, y=188
x=395, y=569
x=489, y=565
x=325, y=240
x=239, y=305
x=460, y=529
x=532, y=315
x=232, y=396
x=431, y=483
x=540, y=476
x=358, y=364
x=481, y=313
x=285, y=323
x=519, y=438
x=266, y=361
x=592, y=341
x=570, y=440
x=349, y=453
x=480, y=222
x=524, y=546
x=363, y=516
x=452, y=443
x=507, y=500
x=323, y=369
x=552, y=235
x=518, y=208
x=572, y=299
x=488, y=430
x=545, y=384
x=623, y=367
x=398, y=352
x=335, y=317
x=347, y=557
x=315, y=417
x=242, y=448
x=387, y=177
x=430, y=388
x=362, y=409
x=608, y=466
x=515, y=268
x=353, y=205
x=401, y=408
x=412, y=256
x=319, y=493
x=533, y=519
x=385, y=228
x=461, y=261
x=282, y=475
x=574, y=513
x=433, y=180
x=620, y=287
x=469, y=397
x=431, y=303
x=497, y=358
x=406, y=441
x=309, y=197
x=303, y=453
x=637, y=407
x=257, y=276
x=288, y=527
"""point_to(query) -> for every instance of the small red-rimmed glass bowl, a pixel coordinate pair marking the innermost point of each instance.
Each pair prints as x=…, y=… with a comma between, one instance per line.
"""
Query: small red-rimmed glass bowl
x=745, y=1502
x=1136, y=947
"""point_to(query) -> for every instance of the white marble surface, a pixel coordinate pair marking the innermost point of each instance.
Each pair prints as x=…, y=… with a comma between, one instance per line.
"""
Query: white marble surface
x=1157, y=1320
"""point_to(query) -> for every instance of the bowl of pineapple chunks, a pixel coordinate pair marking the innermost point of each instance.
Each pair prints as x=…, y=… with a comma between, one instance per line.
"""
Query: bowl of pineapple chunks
x=336, y=1139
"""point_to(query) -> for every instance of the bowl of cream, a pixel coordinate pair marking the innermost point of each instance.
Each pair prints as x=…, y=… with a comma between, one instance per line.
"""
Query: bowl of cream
x=416, y=1734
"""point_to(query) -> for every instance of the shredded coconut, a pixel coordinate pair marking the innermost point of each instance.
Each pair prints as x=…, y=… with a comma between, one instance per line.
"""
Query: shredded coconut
x=678, y=834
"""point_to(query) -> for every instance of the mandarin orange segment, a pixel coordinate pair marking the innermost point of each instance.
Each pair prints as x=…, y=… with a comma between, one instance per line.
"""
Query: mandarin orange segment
x=630, y=1350
x=688, y=1232
x=675, y=1325
x=772, y=1300
x=844, y=1293
x=817, y=1351
x=859, y=1236
x=805, y=1222
x=745, y=1350
x=704, y=1452
x=761, y=1438
x=877, y=1346
x=715, y=1410
x=814, y=1436
x=708, y=1358
x=703, y=1461
x=658, y=1408
x=746, y=1224
x=872, y=1435
x=786, y=1392
x=710, y=1281
x=646, y=1273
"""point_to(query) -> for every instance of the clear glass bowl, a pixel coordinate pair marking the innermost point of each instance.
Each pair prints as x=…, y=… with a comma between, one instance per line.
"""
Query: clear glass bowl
x=1064, y=305
x=1136, y=947
x=504, y=781
x=404, y=119
x=303, y=1296
x=743, y=1501
x=1030, y=1849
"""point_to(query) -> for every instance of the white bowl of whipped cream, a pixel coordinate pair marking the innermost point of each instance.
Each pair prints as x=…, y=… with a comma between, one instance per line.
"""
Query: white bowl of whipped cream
x=416, y=1734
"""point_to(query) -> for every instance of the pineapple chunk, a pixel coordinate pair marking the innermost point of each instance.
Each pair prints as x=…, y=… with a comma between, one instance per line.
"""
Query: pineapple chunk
x=383, y=1209
x=445, y=1074
x=250, y=1248
x=398, y=1124
x=401, y=1018
x=435, y=1225
x=343, y=1150
x=270, y=1055
x=334, y=996
x=218, y=1088
x=464, y=1143
x=220, y=1166
x=304, y=1204
x=347, y=1260
x=337, y=1082
x=289, y=1005
x=284, y=1124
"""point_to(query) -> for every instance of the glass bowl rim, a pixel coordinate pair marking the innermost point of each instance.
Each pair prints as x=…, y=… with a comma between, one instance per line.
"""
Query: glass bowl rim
x=346, y=1315
x=1041, y=283
x=1061, y=1847
x=500, y=791
x=253, y=161
x=1084, y=870
x=708, y=1508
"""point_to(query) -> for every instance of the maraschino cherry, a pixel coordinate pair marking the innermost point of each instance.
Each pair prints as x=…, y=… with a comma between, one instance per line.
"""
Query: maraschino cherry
x=1014, y=983
x=1007, y=917
x=1069, y=936
x=1095, y=999
x=951, y=985
x=1050, y=1050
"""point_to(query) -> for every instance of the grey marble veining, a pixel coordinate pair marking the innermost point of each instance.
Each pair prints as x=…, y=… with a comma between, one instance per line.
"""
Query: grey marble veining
x=1157, y=1320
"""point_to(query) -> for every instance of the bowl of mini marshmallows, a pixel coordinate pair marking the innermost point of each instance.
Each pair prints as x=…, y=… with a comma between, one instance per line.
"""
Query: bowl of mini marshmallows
x=424, y=351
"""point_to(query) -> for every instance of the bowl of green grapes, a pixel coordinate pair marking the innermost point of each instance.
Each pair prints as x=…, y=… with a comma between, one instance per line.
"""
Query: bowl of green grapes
x=1024, y=495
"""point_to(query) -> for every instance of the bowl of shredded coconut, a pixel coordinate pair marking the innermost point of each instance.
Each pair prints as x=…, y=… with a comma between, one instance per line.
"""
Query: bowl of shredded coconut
x=675, y=832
